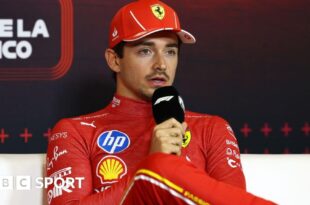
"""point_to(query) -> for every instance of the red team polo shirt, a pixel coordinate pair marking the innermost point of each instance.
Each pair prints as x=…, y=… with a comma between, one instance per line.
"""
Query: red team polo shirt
x=100, y=151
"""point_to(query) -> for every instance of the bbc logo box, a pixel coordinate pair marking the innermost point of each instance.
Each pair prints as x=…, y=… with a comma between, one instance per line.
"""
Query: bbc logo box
x=15, y=183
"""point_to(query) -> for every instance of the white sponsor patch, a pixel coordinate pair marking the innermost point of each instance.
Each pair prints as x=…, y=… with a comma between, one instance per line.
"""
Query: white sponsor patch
x=92, y=124
x=116, y=102
x=102, y=189
x=59, y=190
x=62, y=173
x=56, y=154
x=232, y=152
x=59, y=135
x=229, y=142
x=233, y=163
x=115, y=32
x=230, y=131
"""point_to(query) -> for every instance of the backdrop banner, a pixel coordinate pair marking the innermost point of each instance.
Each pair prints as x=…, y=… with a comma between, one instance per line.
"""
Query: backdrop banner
x=250, y=65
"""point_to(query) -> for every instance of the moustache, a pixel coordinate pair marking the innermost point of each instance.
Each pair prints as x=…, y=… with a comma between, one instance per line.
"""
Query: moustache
x=158, y=74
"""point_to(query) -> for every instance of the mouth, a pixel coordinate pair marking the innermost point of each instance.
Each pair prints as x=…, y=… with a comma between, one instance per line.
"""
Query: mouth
x=157, y=81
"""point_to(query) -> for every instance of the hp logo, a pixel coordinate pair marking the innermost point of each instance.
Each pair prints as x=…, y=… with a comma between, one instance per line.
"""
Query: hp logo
x=113, y=141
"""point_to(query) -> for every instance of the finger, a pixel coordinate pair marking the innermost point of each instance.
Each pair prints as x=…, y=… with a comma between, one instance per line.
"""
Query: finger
x=174, y=132
x=175, y=140
x=172, y=135
x=163, y=135
x=172, y=149
x=170, y=123
x=184, y=125
x=168, y=133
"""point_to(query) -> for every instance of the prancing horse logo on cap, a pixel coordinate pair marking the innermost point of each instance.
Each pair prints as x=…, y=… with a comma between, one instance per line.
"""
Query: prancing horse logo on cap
x=158, y=11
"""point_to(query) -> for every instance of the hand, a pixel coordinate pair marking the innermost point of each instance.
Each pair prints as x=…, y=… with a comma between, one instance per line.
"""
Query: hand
x=167, y=137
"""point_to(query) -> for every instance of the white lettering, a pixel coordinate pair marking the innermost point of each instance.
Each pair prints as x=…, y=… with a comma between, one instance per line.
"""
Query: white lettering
x=6, y=182
x=50, y=195
x=6, y=28
x=56, y=155
x=231, y=163
x=102, y=189
x=6, y=49
x=108, y=140
x=23, y=182
x=65, y=185
x=80, y=179
x=57, y=184
x=39, y=182
x=119, y=141
x=236, y=154
x=229, y=142
x=228, y=151
x=48, y=181
x=23, y=49
x=20, y=30
x=166, y=98
x=13, y=49
x=40, y=29
x=230, y=131
x=62, y=173
x=59, y=135
x=70, y=182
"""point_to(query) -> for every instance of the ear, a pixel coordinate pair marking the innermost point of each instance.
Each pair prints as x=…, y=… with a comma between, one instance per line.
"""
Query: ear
x=112, y=59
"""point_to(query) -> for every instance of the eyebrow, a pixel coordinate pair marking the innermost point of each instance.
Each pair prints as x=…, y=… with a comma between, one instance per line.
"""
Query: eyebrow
x=148, y=43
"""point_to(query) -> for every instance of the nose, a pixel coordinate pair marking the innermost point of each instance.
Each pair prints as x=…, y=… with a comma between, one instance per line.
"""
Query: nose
x=160, y=63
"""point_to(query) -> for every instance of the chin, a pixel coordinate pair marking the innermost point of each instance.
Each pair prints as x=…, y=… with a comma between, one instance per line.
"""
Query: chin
x=147, y=94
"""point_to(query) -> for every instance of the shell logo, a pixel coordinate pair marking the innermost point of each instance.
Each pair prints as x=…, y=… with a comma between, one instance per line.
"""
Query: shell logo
x=110, y=169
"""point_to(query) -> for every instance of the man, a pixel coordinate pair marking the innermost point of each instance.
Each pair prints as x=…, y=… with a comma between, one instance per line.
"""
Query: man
x=122, y=154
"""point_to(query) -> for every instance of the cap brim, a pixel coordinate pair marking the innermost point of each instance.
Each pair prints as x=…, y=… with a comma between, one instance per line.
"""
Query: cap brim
x=184, y=36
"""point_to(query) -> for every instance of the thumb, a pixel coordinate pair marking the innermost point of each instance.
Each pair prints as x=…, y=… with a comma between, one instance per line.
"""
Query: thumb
x=184, y=125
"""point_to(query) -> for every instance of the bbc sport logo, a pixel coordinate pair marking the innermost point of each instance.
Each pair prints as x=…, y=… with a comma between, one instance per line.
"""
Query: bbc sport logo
x=28, y=182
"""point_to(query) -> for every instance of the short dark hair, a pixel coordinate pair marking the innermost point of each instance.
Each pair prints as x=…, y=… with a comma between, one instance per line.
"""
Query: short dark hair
x=119, y=49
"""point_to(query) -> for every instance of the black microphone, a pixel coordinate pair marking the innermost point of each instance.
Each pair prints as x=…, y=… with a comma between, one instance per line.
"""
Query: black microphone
x=166, y=104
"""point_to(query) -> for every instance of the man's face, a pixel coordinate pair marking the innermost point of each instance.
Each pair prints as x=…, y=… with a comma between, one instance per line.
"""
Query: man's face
x=147, y=64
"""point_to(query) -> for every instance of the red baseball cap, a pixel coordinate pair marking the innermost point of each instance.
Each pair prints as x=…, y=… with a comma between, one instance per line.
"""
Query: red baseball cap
x=142, y=18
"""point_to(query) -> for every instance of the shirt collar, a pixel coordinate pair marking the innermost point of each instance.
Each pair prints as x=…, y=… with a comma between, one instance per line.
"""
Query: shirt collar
x=121, y=104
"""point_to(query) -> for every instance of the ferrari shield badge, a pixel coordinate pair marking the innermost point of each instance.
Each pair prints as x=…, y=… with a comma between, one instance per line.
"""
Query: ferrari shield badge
x=158, y=11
